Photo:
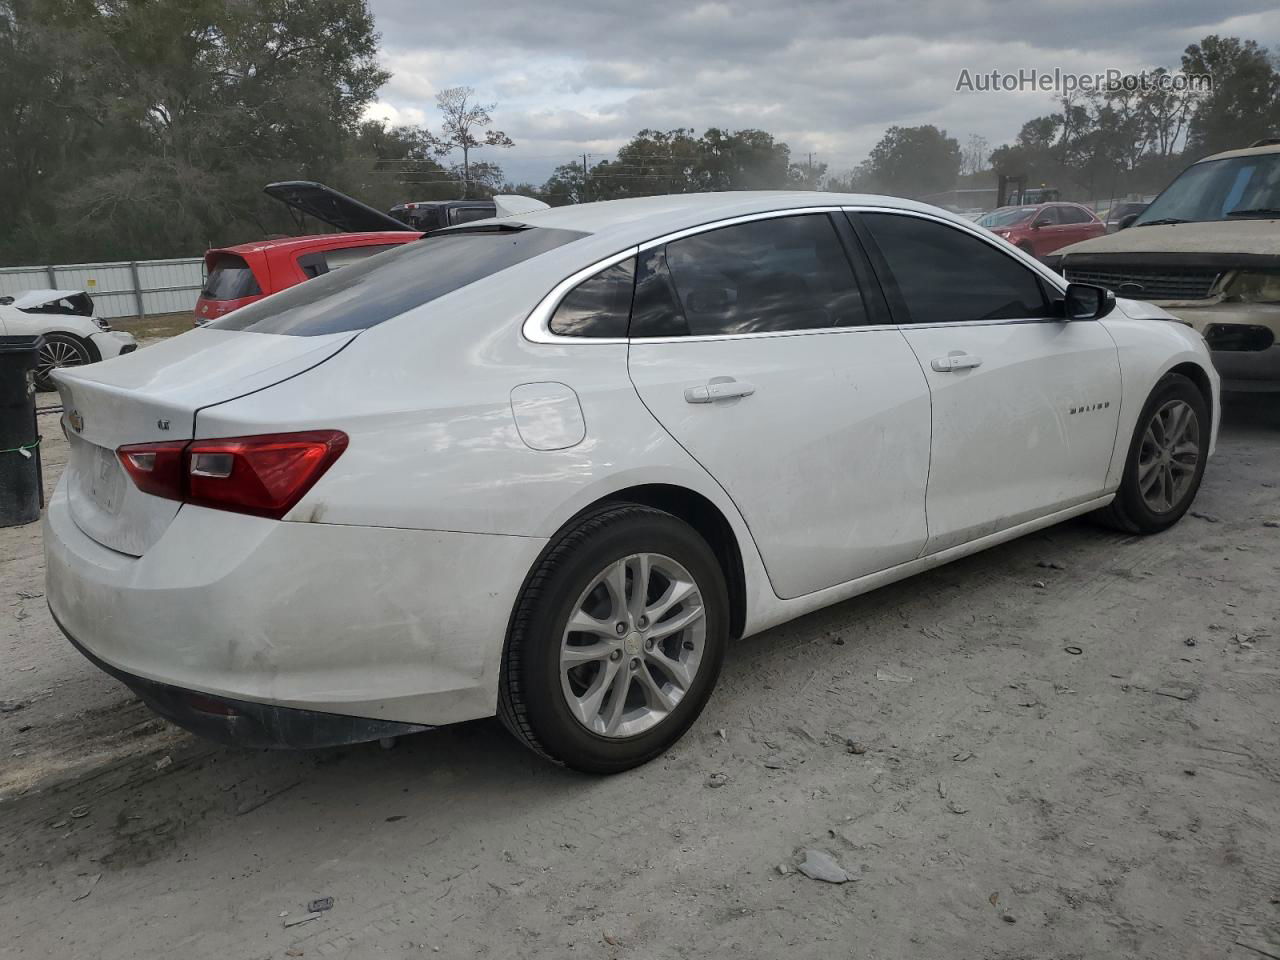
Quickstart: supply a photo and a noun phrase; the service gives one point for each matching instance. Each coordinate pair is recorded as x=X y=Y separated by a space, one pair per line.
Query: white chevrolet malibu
x=550 y=467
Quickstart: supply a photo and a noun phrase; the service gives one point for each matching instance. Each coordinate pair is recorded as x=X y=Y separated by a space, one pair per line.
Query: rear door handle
x=718 y=388
x=958 y=361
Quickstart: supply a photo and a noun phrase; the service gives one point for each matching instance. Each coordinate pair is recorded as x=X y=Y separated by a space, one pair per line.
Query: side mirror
x=1084 y=301
x=1127 y=221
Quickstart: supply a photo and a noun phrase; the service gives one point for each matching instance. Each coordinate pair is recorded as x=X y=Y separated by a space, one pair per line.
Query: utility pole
x=584 y=177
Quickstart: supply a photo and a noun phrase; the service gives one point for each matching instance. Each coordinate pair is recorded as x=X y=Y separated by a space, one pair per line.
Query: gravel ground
x=1068 y=746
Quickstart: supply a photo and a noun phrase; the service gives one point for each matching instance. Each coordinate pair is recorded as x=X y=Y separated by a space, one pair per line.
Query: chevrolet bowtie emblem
x=76 y=421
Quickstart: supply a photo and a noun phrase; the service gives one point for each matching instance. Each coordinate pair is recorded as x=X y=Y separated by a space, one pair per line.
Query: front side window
x=944 y=275
x=599 y=306
x=1073 y=215
x=1048 y=217
x=764 y=276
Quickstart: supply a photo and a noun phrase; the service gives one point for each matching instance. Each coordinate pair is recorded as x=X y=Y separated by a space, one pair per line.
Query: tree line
x=138 y=129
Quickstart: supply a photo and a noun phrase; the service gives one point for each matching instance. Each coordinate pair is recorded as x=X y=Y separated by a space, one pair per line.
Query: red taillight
x=156 y=468
x=264 y=475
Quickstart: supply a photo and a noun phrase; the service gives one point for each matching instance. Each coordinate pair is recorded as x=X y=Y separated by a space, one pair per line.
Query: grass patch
x=159 y=326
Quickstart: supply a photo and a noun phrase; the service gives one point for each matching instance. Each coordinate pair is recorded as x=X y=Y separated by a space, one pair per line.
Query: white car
x=73 y=336
x=549 y=468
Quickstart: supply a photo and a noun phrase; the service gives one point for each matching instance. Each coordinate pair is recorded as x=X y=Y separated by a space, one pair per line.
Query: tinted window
x=1073 y=215
x=379 y=288
x=786 y=273
x=1048 y=217
x=945 y=275
x=467 y=214
x=599 y=306
x=230 y=279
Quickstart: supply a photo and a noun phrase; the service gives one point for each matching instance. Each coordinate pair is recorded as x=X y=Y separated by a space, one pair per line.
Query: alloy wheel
x=633 y=645
x=55 y=354
x=1168 y=456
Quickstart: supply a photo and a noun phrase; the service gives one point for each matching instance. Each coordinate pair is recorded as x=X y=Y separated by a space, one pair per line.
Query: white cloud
x=824 y=76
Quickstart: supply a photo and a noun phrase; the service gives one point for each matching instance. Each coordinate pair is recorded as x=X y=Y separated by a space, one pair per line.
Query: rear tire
x=60 y=350
x=625 y=686
x=1166 y=459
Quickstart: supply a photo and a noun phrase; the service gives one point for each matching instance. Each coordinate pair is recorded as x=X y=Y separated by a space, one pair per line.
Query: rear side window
x=467 y=214
x=944 y=275
x=599 y=306
x=773 y=275
x=379 y=288
x=230 y=279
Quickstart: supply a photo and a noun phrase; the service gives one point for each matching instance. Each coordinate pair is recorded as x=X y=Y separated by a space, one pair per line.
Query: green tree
x=914 y=161
x=1244 y=104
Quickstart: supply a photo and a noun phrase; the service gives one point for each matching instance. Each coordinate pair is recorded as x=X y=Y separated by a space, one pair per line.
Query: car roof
x=317 y=240
x=638 y=219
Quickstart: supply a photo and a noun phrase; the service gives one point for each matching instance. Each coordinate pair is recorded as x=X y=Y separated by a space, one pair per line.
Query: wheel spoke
x=691 y=614
x=587 y=706
x=583 y=622
x=615 y=579
x=674 y=669
x=1146 y=471
x=676 y=592
x=656 y=697
x=617 y=700
x=573 y=655
x=641 y=569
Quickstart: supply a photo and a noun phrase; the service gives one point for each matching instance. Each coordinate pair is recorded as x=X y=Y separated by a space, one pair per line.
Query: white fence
x=124 y=289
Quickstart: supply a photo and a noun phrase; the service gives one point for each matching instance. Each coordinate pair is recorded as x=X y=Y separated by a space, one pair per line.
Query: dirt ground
x=1072 y=750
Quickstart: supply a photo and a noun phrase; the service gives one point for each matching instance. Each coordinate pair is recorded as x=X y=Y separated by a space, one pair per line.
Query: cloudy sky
x=584 y=75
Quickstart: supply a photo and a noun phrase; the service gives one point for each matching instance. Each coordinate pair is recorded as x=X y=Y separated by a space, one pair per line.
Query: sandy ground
x=1067 y=761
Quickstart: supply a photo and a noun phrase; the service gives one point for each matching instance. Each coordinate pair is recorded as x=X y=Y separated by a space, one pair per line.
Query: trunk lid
x=153 y=395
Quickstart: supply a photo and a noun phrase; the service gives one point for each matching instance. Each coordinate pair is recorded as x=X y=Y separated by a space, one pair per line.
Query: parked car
x=239 y=275
x=606 y=440
x=1121 y=215
x=72 y=334
x=425 y=215
x=1208 y=250
x=242 y=274
x=1040 y=229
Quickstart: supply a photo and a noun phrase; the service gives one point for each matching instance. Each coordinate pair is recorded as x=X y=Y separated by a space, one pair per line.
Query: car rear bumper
x=379 y=624
x=243 y=723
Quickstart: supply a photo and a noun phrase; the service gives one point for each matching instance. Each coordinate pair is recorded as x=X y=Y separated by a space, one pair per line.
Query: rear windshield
x=379 y=288
x=230 y=279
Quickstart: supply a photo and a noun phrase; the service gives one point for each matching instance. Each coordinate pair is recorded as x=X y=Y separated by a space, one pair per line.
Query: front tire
x=1166 y=459
x=59 y=350
x=616 y=642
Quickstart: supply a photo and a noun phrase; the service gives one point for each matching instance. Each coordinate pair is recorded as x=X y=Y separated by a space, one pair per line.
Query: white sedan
x=72 y=334
x=549 y=467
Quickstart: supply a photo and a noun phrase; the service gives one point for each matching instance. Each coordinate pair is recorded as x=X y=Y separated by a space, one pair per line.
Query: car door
x=1025 y=404
x=756 y=346
x=1046 y=231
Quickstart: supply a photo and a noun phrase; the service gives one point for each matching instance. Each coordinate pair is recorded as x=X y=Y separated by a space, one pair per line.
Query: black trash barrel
x=21 y=489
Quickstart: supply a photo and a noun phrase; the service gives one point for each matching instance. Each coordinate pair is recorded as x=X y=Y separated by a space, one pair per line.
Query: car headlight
x=1253 y=287
x=102 y=323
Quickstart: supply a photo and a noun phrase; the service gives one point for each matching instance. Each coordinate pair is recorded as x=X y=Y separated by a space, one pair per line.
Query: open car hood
x=329 y=206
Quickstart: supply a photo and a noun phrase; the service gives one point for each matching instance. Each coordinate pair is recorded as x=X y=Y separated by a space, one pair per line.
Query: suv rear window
x=379 y=288
x=230 y=279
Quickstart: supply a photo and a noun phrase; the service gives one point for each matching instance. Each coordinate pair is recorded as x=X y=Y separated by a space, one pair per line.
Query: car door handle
x=718 y=388
x=958 y=361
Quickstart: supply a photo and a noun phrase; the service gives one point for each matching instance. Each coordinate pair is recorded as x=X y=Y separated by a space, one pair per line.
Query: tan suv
x=1208 y=250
